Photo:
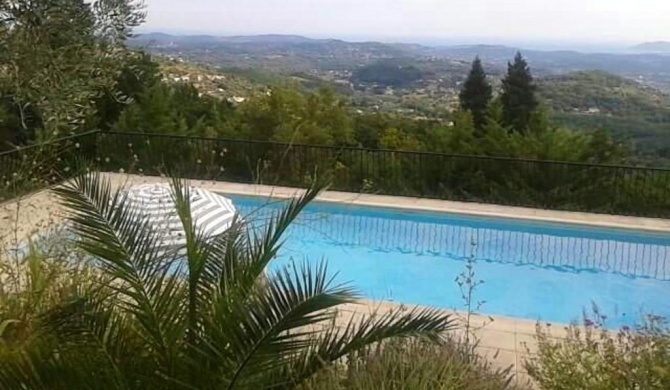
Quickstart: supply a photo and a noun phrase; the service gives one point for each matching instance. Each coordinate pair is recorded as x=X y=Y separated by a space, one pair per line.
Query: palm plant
x=210 y=317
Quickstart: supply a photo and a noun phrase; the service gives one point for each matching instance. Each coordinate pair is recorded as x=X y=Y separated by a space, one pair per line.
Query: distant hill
x=490 y=52
x=610 y=93
x=652 y=47
x=282 y=53
x=167 y=39
x=624 y=93
x=269 y=38
x=252 y=43
x=653 y=68
x=591 y=100
x=292 y=53
x=161 y=38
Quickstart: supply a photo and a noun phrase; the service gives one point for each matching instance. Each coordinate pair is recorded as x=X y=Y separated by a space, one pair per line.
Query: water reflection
x=565 y=249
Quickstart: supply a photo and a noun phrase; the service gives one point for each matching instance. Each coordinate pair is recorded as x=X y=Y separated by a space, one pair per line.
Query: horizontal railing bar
x=400 y=152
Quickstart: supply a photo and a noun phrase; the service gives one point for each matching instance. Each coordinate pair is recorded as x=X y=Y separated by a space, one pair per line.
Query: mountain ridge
x=653 y=47
x=260 y=38
x=296 y=38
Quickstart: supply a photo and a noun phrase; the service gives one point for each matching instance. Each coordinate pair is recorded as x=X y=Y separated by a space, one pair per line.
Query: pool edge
x=354 y=199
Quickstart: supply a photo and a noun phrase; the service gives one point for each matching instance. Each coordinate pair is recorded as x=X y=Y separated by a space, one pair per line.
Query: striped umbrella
x=212 y=213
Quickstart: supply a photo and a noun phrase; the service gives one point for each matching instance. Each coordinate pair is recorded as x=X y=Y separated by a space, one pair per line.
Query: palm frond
x=127 y=250
x=335 y=342
x=230 y=257
x=91 y=327
x=262 y=247
x=246 y=337
x=201 y=285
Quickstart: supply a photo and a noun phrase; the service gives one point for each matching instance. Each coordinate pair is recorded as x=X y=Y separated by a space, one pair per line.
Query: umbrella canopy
x=212 y=213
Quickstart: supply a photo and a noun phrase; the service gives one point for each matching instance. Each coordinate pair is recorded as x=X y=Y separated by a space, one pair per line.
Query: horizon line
x=528 y=44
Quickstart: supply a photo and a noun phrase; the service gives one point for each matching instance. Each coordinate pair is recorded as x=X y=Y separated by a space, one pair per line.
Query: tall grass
x=416 y=365
x=36 y=276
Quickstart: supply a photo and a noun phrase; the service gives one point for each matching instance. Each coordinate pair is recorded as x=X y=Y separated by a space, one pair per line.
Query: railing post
x=616 y=194
x=94 y=148
x=363 y=174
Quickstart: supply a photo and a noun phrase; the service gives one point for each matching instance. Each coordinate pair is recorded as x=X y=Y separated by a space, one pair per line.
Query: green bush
x=416 y=365
x=593 y=358
x=34 y=281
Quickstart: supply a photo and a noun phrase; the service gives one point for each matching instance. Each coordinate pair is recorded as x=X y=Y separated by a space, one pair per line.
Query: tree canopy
x=518 y=95
x=58 y=57
x=476 y=94
x=388 y=74
x=288 y=115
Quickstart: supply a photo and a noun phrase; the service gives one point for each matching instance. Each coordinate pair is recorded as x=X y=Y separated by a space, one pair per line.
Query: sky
x=469 y=21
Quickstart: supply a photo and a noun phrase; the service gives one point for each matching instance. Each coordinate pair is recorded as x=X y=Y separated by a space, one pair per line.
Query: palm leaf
x=276 y=321
x=263 y=247
x=89 y=326
x=335 y=343
x=127 y=250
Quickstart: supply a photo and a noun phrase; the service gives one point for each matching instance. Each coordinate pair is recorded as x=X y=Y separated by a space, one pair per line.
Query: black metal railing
x=519 y=182
x=507 y=181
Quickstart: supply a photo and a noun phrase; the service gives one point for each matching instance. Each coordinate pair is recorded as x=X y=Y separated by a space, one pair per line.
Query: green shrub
x=416 y=365
x=593 y=358
x=34 y=280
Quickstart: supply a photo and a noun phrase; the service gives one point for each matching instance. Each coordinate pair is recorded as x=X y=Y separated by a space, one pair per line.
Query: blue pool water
x=530 y=270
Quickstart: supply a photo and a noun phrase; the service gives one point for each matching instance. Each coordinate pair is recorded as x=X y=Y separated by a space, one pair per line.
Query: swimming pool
x=530 y=270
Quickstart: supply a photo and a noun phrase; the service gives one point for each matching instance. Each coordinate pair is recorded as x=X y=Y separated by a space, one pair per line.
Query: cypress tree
x=518 y=95
x=476 y=94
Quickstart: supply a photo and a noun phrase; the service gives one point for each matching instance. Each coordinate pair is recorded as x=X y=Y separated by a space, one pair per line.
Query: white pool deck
x=506 y=339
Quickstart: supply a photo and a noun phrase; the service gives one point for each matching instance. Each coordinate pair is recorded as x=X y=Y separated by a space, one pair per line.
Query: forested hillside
x=156 y=104
x=296 y=53
x=287 y=113
x=388 y=74
x=422 y=82
x=583 y=101
x=212 y=81
x=629 y=110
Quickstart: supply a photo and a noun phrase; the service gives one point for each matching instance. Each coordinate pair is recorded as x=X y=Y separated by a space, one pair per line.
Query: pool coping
x=543 y=222
x=454 y=208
